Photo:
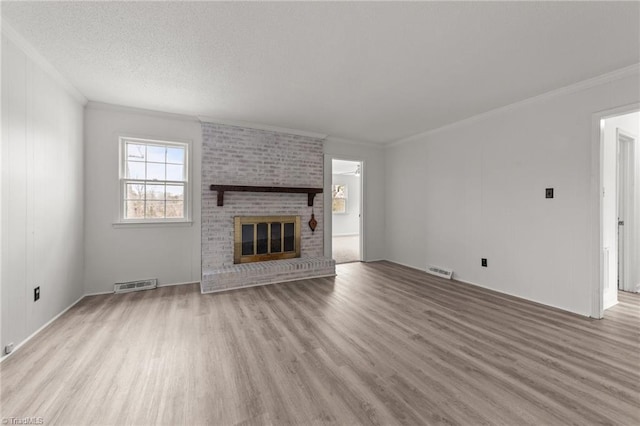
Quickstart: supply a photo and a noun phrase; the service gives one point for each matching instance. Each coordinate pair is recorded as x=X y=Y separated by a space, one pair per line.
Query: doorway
x=626 y=146
x=346 y=210
x=620 y=209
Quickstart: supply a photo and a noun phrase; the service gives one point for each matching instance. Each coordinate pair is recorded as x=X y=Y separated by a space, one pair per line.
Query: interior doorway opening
x=346 y=210
x=620 y=206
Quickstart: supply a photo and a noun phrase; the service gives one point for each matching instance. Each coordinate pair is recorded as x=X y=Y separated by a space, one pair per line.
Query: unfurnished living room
x=304 y=213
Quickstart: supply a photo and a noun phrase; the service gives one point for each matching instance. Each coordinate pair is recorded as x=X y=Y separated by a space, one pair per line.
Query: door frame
x=328 y=219
x=596 y=285
x=621 y=135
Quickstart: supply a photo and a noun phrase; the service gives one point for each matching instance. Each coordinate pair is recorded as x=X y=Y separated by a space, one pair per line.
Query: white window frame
x=123 y=180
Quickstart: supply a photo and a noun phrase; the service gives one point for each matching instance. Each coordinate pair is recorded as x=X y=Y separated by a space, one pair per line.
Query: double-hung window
x=154 y=181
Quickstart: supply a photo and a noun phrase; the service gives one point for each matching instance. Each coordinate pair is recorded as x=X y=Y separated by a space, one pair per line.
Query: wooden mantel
x=221 y=189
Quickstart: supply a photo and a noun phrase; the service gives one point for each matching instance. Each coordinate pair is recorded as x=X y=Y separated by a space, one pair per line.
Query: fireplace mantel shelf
x=311 y=192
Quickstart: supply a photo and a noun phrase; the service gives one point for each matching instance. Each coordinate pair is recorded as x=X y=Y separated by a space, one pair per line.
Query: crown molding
x=10 y=33
x=259 y=126
x=339 y=140
x=102 y=106
x=632 y=70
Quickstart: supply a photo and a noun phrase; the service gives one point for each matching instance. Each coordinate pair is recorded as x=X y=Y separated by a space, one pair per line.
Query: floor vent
x=441 y=272
x=136 y=285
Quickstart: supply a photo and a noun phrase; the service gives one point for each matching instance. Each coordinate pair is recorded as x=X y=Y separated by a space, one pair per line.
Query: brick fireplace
x=241 y=156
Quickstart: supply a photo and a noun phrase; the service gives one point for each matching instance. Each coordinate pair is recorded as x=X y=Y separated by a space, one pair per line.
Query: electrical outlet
x=8 y=349
x=484 y=262
x=36 y=294
x=548 y=193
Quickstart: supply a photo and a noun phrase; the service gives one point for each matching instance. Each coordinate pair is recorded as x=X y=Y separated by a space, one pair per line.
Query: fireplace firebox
x=262 y=238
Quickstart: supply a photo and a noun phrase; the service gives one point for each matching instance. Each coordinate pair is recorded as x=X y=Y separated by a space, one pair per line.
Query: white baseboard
x=71 y=306
x=606 y=304
x=408 y=266
x=174 y=284
x=40 y=329
x=458 y=279
x=522 y=298
x=100 y=293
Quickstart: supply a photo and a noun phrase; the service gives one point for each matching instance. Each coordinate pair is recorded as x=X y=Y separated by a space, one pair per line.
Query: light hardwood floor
x=378 y=344
x=345 y=249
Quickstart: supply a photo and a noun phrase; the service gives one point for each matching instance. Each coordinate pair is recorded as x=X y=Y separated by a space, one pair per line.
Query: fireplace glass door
x=260 y=238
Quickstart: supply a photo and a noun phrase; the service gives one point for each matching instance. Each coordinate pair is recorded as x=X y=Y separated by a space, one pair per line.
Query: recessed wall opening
x=346 y=210
x=620 y=226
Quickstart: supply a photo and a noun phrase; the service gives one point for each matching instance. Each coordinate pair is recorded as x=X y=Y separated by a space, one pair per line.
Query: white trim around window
x=154 y=182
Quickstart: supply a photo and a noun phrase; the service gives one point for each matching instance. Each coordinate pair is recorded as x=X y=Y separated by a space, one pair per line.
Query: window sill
x=181 y=224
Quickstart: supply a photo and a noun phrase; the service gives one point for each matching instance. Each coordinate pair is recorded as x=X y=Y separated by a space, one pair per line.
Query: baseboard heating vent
x=136 y=285
x=440 y=272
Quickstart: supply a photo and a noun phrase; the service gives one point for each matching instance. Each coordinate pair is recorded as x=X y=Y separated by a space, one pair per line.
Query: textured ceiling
x=373 y=72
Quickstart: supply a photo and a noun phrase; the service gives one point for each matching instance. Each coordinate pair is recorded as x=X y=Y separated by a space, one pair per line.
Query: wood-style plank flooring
x=378 y=344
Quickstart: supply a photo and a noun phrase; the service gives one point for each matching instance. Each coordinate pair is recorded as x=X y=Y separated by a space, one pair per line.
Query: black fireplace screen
x=260 y=238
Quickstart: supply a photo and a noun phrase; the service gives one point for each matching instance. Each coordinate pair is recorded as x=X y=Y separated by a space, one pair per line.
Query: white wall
x=476 y=189
x=42 y=194
x=170 y=253
x=348 y=223
x=373 y=211
x=631 y=124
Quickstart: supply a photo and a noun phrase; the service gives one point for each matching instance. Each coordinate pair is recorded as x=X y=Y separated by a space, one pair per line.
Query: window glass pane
x=135 y=191
x=175 y=172
x=155 y=210
x=175 y=209
x=175 y=192
x=155 y=192
x=155 y=163
x=134 y=209
x=136 y=152
x=156 y=154
x=155 y=171
x=262 y=238
x=135 y=170
x=247 y=240
x=175 y=155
